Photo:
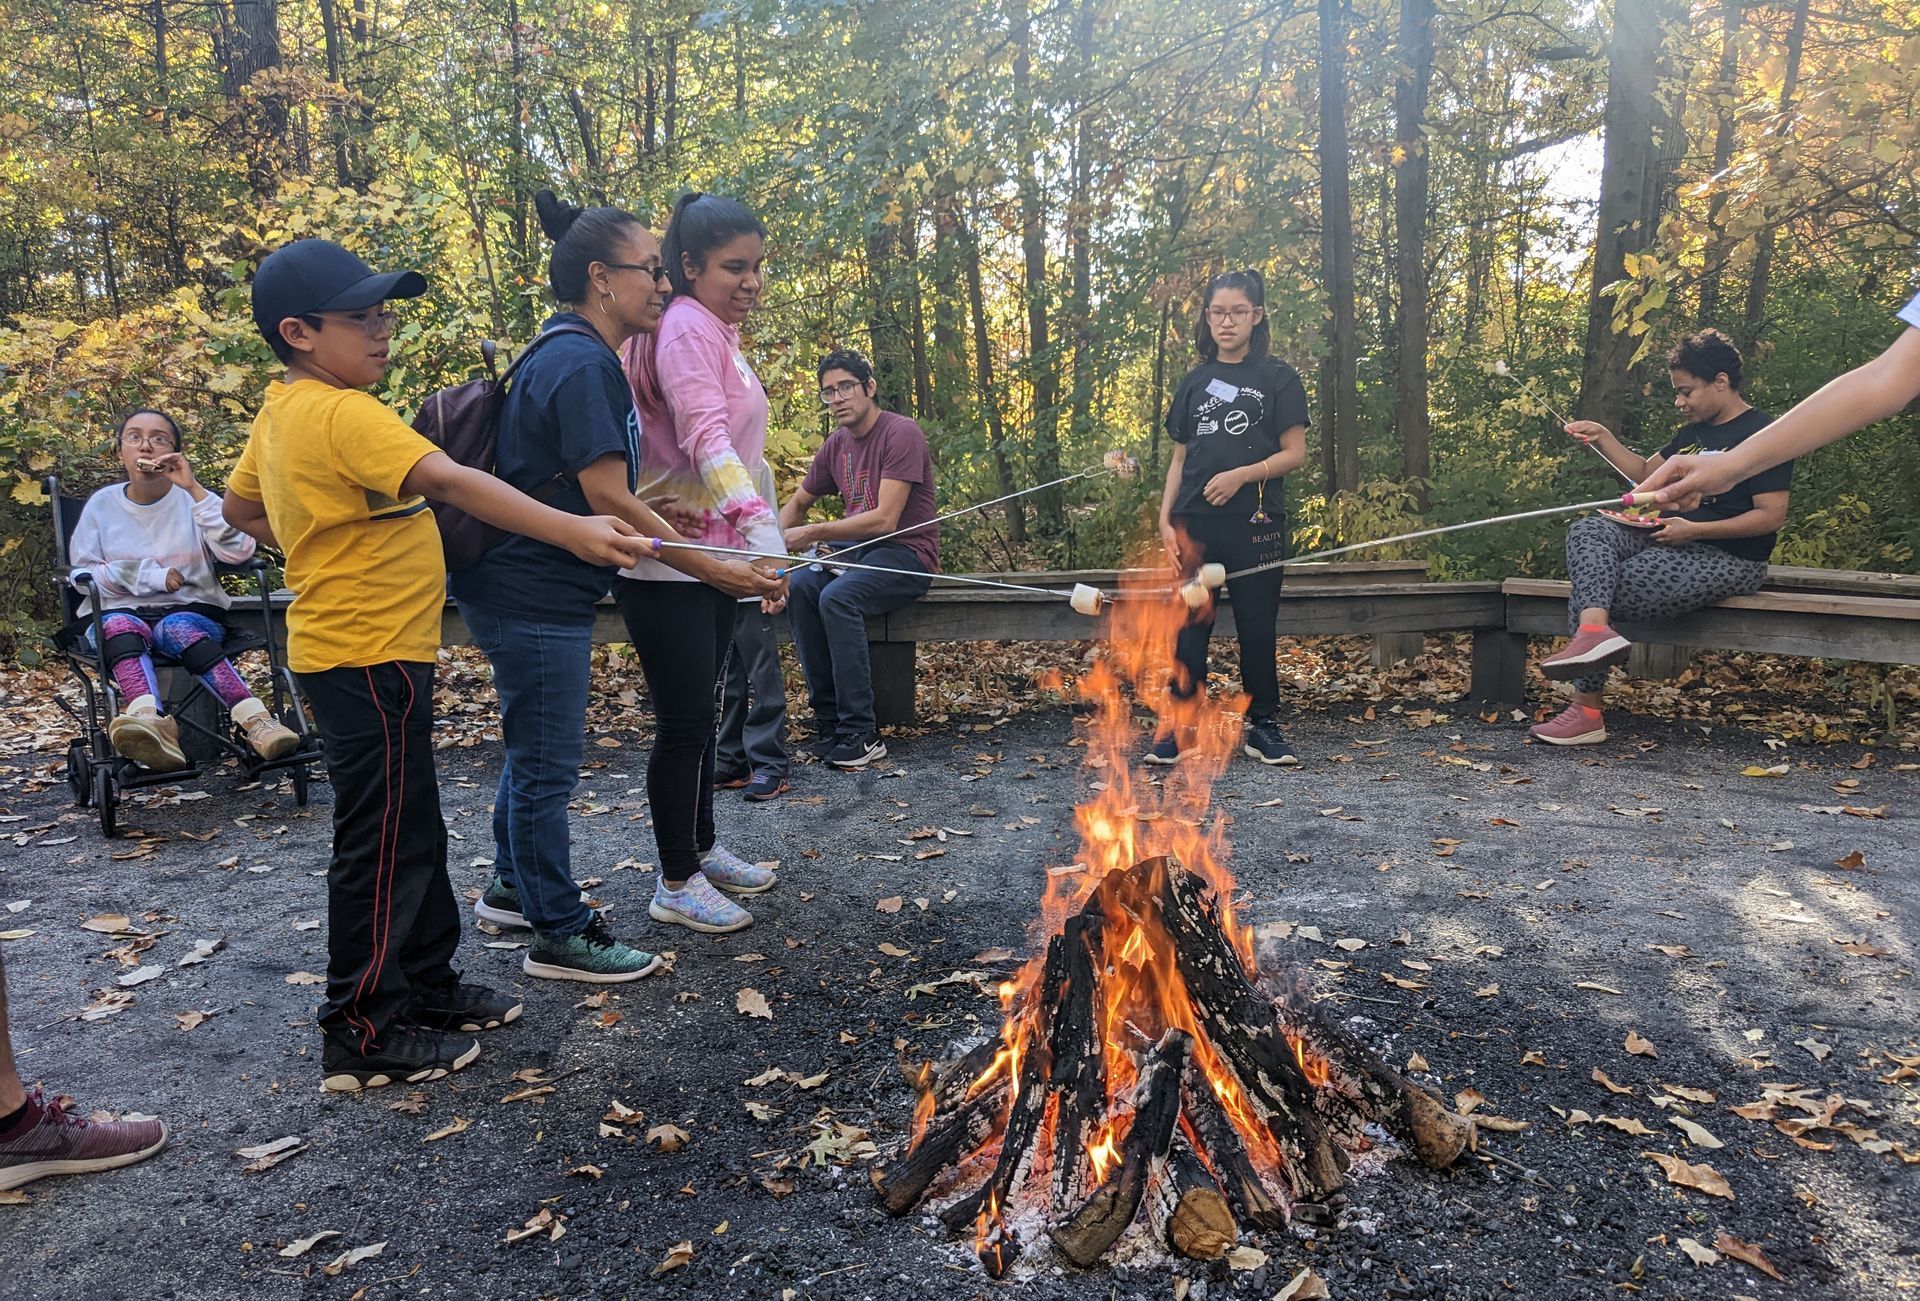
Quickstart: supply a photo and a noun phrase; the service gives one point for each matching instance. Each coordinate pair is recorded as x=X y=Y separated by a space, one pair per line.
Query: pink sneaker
x=1574 y=725
x=1590 y=650
x=50 y=1141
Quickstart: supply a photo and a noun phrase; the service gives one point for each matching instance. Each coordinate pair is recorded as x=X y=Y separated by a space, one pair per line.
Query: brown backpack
x=463 y=420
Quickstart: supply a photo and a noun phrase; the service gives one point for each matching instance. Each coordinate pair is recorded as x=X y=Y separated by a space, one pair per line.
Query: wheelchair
x=96 y=775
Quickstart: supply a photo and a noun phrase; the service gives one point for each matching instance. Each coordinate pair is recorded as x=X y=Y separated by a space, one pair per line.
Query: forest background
x=1011 y=206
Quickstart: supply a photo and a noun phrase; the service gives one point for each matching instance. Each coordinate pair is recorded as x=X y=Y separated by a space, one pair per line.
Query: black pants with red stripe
x=392 y=921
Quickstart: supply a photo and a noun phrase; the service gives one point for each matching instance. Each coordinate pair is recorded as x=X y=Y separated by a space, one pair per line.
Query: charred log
x=1188 y=1210
x=1086 y=1234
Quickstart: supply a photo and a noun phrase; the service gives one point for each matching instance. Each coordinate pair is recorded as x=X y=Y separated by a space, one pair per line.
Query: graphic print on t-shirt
x=1237 y=419
x=859 y=490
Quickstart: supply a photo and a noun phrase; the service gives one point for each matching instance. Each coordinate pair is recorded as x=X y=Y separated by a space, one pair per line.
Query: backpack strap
x=559 y=483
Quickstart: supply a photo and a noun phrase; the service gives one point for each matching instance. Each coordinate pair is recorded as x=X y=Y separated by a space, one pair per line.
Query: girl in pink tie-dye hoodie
x=703 y=436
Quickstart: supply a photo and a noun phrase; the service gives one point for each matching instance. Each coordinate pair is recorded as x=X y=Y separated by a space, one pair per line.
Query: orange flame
x=1104 y=1152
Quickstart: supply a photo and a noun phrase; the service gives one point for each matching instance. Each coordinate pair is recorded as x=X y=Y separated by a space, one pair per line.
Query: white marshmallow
x=1194 y=593
x=1212 y=576
x=1085 y=599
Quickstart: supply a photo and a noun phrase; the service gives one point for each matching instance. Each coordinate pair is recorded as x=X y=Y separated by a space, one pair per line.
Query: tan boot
x=143 y=734
x=269 y=737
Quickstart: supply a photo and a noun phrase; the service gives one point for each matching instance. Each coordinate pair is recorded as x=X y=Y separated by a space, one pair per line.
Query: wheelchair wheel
x=300 y=786
x=79 y=773
x=106 y=799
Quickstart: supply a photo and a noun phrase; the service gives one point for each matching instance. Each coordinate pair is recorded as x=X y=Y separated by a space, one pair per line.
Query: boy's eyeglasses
x=659 y=273
x=845 y=388
x=373 y=324
x=1236 y=315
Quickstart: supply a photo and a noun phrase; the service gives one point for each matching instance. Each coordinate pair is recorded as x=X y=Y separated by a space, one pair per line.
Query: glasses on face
x=140 y=438
x=1235 y=315
x=373 y=323
x=832 y=393
x=659 y=273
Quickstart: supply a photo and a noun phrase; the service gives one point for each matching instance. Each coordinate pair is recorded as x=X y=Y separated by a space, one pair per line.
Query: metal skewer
x=1501 y=369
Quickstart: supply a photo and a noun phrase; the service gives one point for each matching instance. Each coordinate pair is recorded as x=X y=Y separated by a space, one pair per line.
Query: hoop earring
x=606 y=296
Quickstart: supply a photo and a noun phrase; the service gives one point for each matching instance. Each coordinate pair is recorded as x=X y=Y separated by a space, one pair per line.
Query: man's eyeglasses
x=659 y=273
x=844 y=389
x=374 y=324
x=1237 y=315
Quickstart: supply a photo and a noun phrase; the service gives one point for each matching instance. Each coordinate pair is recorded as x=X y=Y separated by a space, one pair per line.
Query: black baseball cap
x=317 y=275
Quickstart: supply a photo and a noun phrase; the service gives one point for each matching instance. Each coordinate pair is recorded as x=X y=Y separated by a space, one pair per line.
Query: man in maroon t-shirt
x=878 y=464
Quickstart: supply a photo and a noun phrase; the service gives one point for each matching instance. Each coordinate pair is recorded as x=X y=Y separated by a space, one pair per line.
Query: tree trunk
x=1041 y=361
x=670 y=112
x=915 y=312
x=1339 y=388
x=886 y=332
x=1628 y=173
x=1156 y=416
x=1754 y=320
x=1080 y=232
x=1413 y=78
x=333 y=40
x=989 y=400
x=949 y=343
x=1725 y=99
x=519 y=228
x=252 y=44
x=589 y=145
x=161 y=23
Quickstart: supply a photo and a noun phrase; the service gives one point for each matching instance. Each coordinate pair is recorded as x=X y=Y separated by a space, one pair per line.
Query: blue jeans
x=829 y=615
x=540 y=674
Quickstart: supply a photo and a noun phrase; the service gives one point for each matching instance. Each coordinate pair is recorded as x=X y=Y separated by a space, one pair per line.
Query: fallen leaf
x=667 y=1138
x=1532 y=1058
x=108 y=924
x=751 y=1002
x=1815 y=1047
x=994 y=955
x=1417 y=1063
x=1625 y=1124
x=1701 y=1178
x=1597 y=988
x=679 y=1254
x=1466 y=1100
x=141 y=975
x=333 y=1267
x=1350 y=945
x=458 y=1125
x=1487 y=991
x=894 y=951
x=1500 y=1124
x=295 y=1250
x=15 y=935
x=1852 y=861
x=772 y=1075
x=1640 y=1047
x=545 y=1224
x=1746 y=1253
x=265 y=1156
x=1245 y=1258
x=1698 y=1254
x=1305 y=1286
x=1755 y=770
x=201 y=951
x=1600 y=1078
x=306 y=978
x=191 y=1020
x=891 y=904
x=1696 y=1134
x=1691 y=1095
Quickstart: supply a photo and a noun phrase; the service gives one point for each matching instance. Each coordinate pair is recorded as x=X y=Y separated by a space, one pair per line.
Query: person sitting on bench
x=151 y=544
x=879 y=466
x=1656 y=569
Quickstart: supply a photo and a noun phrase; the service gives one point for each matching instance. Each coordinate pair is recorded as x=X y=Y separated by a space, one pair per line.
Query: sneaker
x=697 y=906
x=50 y=1141
x=731 y=779
x=145 y=735
x=734 y=874
x=1591 y=650
x=593 y=956
x=406 y=1054
x=1574 y=725
x=499 y=903
x=1264 y=742
x=817 y=746
x=857 y=751
x=1164 y=752
x=766 y=786
x=463 y=1007
x=269 y=737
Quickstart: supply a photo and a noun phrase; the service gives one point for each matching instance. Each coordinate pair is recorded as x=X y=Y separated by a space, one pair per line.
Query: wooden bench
x=1818 y=614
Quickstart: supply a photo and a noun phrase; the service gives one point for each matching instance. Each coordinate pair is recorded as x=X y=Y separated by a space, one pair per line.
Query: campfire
x=1143 y=1072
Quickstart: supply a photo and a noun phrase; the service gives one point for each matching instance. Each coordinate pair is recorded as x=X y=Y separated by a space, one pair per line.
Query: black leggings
x=680 y=631
x=1236 y=543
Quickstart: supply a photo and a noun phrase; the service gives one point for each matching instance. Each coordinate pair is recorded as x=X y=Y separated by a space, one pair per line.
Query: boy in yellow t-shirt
x=340 y=484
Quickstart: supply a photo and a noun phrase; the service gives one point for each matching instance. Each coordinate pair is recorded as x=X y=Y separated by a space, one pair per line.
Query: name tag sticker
x=1219 y=388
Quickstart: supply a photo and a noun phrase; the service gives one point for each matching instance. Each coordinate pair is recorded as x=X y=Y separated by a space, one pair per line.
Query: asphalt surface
x=1551 y=875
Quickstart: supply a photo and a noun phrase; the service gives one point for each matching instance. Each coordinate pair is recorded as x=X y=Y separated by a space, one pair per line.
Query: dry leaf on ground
x=679 y=1254
x=353 y=1257
x=1696 y=1133
x=1745 y=1251
x=1698 y=1254
x=1305 y=1286
x=458 y=1125
x=1702 y=1178
x=1600 y=1078
x=1640 y=1047
x=751 y=1002
x=667 y=1138
x=299 y=1248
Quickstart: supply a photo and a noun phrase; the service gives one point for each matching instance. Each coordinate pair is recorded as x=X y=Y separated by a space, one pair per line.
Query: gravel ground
x=1569 y=868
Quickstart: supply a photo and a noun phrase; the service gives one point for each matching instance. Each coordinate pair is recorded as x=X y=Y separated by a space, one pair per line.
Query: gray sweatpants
x=1623 y=571
x=753 y=706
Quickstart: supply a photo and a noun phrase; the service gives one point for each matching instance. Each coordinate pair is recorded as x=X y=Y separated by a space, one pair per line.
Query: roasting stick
x=801 y=562
x=1501 y=369
x=1604 y=503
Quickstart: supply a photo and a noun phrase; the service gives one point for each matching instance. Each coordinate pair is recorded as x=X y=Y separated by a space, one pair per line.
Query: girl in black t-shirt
x=1238 y=423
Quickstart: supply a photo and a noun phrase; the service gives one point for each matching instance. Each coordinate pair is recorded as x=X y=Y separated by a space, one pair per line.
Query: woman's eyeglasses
x=1235 y=315
x=659 y=273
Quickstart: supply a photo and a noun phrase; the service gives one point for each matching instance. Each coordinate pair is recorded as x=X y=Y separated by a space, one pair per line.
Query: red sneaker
x=50 y=1141
x=1574 y=725
x=1590 y=650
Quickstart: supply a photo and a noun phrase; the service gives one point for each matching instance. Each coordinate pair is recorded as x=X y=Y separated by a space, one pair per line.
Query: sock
x=1588 y=710
x=19 y=1120
x=1594 y=627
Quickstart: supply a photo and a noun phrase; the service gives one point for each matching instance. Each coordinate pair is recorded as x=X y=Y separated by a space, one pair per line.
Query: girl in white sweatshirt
x=151 y=544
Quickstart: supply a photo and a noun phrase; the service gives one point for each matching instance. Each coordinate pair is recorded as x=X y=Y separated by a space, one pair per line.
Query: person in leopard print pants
x=1656 y=572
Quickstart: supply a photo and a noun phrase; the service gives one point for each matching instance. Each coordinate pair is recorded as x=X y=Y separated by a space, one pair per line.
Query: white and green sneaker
x=734 y=874
x=499 y=903
x=593 y=956
x=697 y=906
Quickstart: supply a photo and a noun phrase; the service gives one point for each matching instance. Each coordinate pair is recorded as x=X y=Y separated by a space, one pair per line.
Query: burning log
x=905 y=1182
x=1246 y=1191
x=1090 y=1230
x=1410 y=1113
x=1079 y=1078
x=1189 y=1212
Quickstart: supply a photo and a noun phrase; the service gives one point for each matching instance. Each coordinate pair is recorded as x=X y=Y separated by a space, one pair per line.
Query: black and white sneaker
x=857 y=751
x=406 y=1054
x=1164 y=752
x=464 y=1007
x=1264 y=742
